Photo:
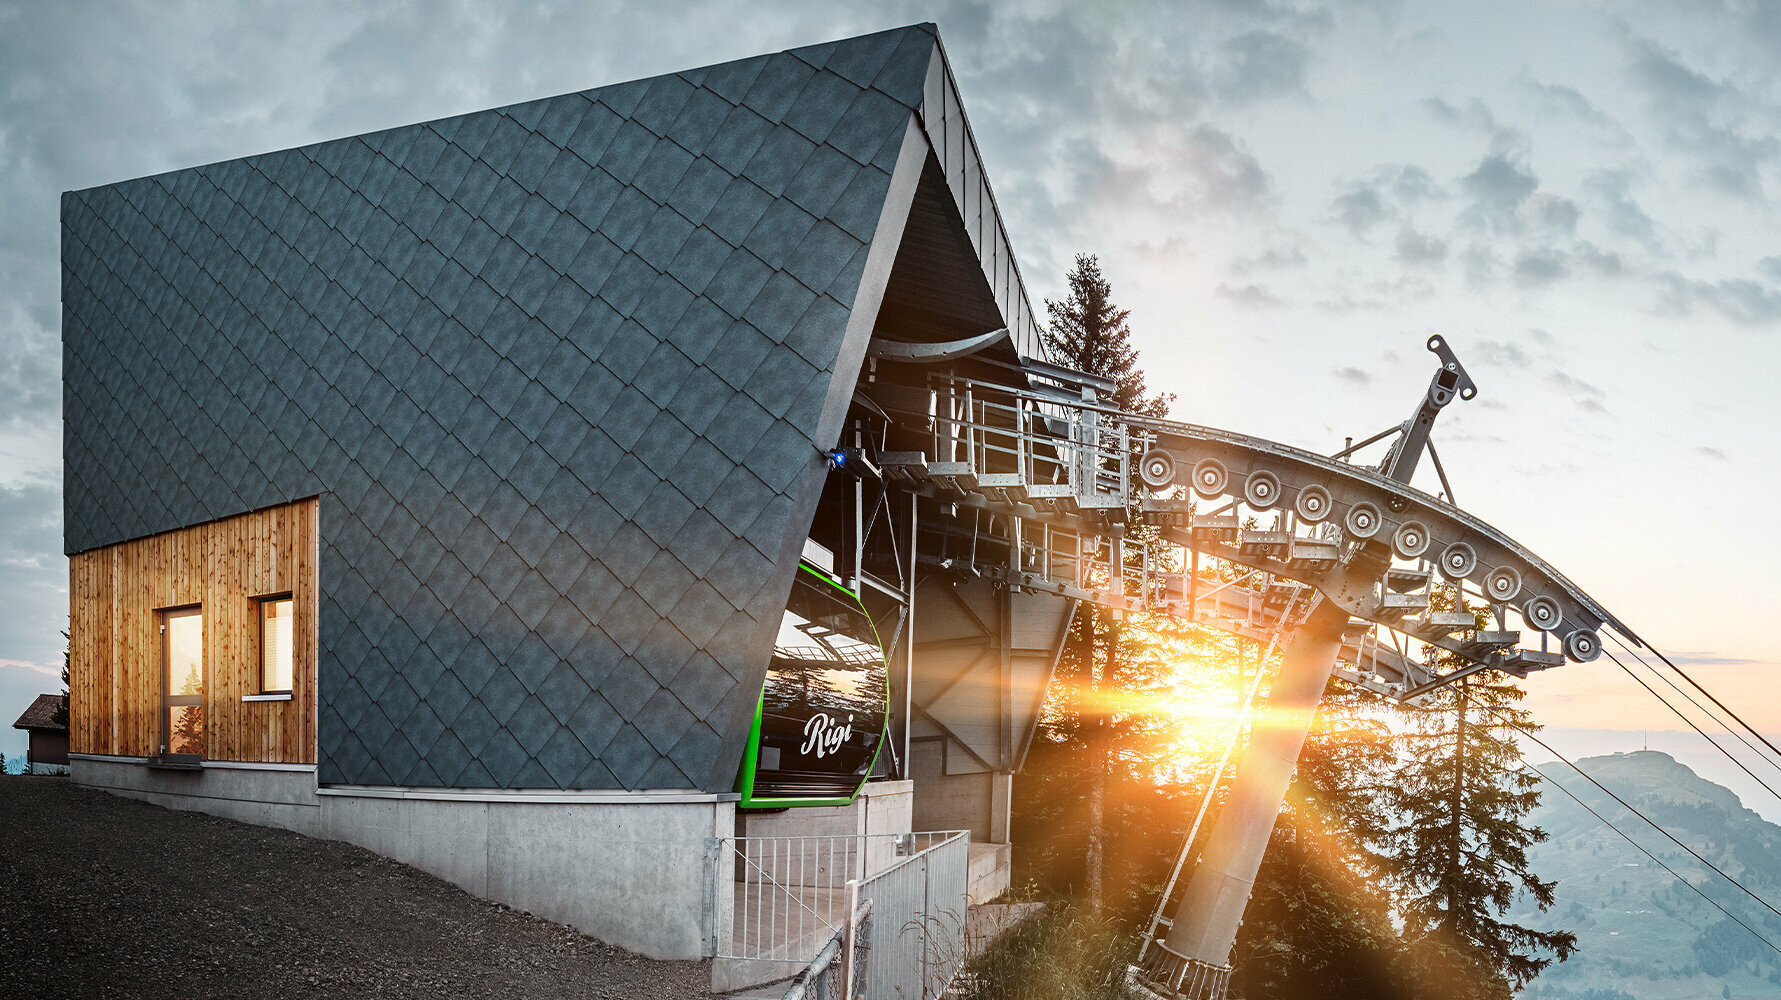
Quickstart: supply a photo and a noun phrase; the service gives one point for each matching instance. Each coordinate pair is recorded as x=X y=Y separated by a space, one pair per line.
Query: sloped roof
x=559 y=372
x=41 y=714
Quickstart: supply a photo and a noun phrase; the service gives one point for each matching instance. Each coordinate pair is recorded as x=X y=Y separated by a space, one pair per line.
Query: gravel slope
x=102 y=896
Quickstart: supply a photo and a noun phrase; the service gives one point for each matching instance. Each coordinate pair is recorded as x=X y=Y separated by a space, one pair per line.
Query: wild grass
x=1062 y=954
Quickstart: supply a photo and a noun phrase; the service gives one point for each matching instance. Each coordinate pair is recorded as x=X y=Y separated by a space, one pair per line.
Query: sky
x=1289 y=197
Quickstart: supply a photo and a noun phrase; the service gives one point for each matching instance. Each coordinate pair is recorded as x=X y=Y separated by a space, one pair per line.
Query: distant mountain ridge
x=1643 y=935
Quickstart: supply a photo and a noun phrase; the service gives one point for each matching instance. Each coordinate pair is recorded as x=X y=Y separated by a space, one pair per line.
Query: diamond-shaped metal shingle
x=553 y=370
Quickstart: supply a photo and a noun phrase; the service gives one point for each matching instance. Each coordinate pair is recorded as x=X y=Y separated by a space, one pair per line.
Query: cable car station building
x=585 y=499
x=451 y=490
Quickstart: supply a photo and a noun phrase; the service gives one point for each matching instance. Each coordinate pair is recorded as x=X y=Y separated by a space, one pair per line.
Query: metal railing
x=781 y=898
x=913 y=937
x=833 y=974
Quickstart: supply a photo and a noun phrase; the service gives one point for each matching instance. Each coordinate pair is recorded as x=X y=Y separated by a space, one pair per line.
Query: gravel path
x=102 y=896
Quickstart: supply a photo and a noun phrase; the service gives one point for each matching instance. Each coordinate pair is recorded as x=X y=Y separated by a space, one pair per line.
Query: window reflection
x=185 y=681
x=276 y=652
x=823 y=706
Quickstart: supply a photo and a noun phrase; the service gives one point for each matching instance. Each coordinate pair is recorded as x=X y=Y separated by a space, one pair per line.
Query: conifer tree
x=60 y=717
x=1459 y=852
x=1319 y=922
x=1089 y=333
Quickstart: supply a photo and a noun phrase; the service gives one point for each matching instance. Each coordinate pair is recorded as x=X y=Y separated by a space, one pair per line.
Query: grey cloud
x=1501 y=353
x=1226 y=175
x=1388 y=192
x=1535 y=268
x=1572 y=383
x=1744 y=301
x=1610 y=191
x=1353 y=376
x=1414 y=184
x=1701 y=658
x=1770 y=268
x=1359 y=209
x=1379 y=295
x=30 y=369
x=1671 y=85
x=1556 y=214
x=1602 y=263
x=1274 y=258
x=1476 y=115
x=1250 y=296
x=1204 y=171
x=1498 y=186
x=1584 y=394
x=1706 y=120
x=33 y=575
x=1560 y=99
x=1420 y=250
x=1711 y=452
x=1479 y=264
x=1262 y=64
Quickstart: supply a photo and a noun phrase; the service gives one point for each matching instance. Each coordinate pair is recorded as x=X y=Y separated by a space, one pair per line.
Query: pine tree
x=1107 y=741
x=1319 y=923
x=60 y=717
x=1089 y=333
x=188 y=732
x=1460 y=851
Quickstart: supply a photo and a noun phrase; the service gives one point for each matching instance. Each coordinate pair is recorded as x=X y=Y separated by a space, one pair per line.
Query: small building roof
x=42 y=713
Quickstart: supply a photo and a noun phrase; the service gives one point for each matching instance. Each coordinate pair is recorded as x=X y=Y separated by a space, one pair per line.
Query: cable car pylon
x=1322 y=555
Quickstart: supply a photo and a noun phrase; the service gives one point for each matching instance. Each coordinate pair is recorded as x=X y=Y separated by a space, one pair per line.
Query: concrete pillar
x=1205 y=924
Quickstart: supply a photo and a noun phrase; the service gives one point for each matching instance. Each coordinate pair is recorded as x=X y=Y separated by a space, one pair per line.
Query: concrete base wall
x=979 y=802
x=281 y=795
x=632 y=869
x=882 y=807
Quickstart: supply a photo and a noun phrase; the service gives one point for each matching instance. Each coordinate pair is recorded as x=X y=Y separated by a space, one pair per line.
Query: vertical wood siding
x=115 y=593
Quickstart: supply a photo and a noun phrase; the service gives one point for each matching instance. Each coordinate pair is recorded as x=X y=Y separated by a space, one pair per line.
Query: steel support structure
x=1039 y=480
x=1205 y=924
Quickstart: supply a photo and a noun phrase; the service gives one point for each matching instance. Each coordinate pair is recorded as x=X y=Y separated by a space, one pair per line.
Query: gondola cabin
x=821 y=717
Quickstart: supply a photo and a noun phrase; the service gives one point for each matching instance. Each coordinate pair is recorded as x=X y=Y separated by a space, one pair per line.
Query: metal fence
x=912 y=942
x=782 y=898
x=832 y=975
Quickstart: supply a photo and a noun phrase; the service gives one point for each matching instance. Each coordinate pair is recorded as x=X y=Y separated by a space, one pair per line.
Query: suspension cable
x=1641 y=849
x=1722 y=707
x=1690 y=723
x=1630 y=808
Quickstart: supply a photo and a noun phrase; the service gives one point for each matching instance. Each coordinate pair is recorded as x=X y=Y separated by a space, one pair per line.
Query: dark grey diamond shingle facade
x=559 y=373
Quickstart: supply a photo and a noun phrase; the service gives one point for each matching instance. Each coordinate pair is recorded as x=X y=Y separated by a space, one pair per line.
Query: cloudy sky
x=1289 y=197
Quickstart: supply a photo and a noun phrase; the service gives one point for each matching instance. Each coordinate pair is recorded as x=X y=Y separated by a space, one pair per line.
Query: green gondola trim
x=752 y=753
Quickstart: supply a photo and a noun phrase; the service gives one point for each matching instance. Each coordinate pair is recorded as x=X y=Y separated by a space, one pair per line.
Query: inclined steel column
x=1205 y=924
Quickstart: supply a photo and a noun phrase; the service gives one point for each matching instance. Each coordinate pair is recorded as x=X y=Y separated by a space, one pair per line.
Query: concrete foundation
x=948 y=799
x=882 y=807
x=633 y=868
x=980 y=802
x=281 y=795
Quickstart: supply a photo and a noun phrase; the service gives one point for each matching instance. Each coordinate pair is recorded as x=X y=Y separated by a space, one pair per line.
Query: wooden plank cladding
x=116 y=595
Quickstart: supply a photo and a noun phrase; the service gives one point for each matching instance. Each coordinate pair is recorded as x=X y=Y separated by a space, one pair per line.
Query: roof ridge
x=925 y=27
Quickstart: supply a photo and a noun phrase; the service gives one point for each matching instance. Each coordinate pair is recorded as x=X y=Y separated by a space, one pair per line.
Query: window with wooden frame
x=277 y=644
